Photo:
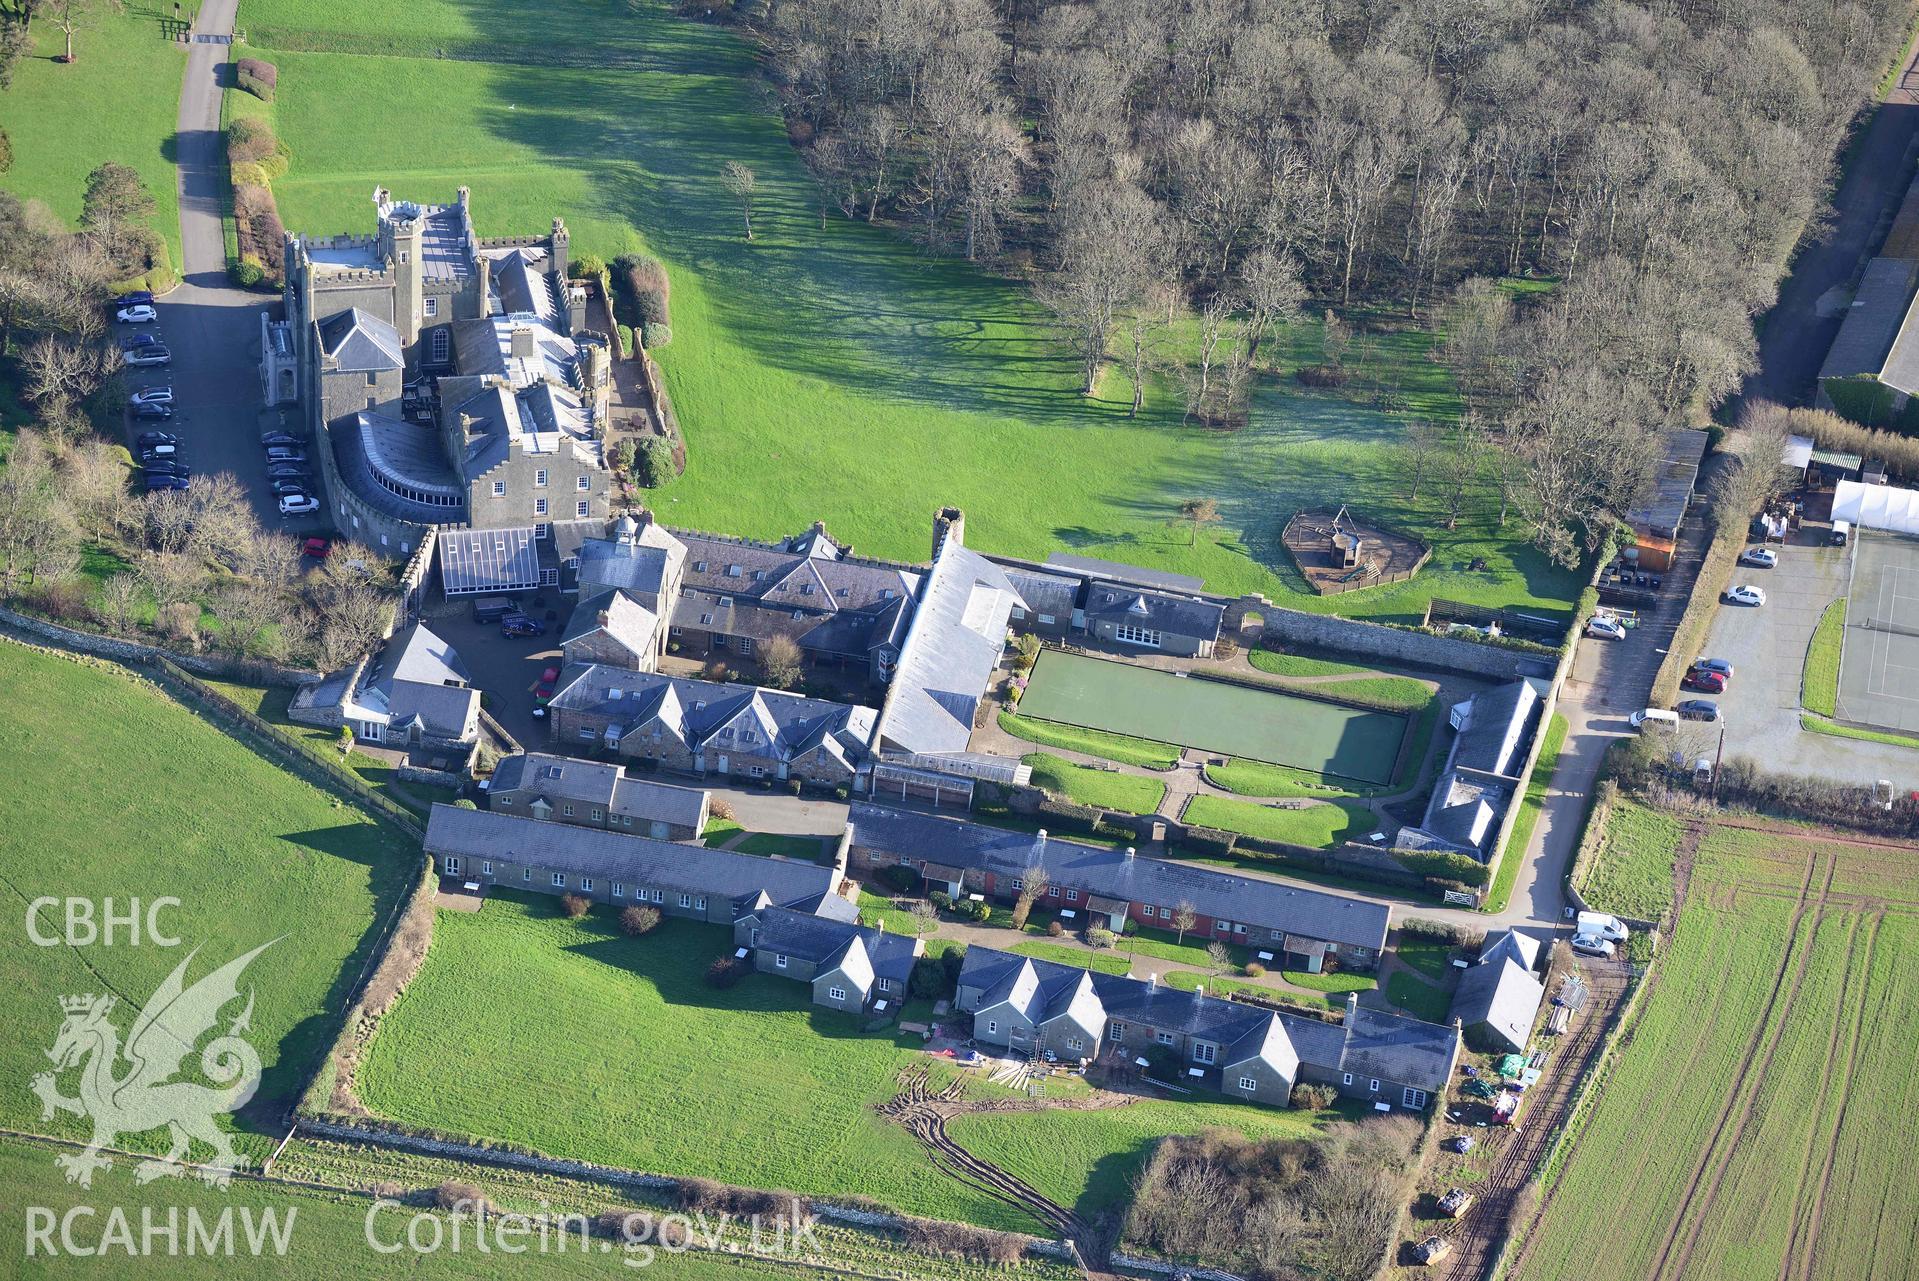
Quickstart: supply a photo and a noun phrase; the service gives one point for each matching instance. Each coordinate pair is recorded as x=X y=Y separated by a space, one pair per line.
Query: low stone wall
x=250 y=671
x=1389 y=644
x=431 y=777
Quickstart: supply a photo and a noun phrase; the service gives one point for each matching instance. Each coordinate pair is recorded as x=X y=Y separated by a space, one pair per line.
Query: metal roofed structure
x=1873 y=322
x=952 y=646
x=473 y=561
x=1093 y=567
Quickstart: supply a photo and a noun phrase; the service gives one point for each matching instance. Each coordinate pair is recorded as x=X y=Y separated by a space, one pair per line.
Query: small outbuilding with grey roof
x=852 y=968
x=566 y=789
x=1499 y=996
x=1144 y=618
x=615 y=629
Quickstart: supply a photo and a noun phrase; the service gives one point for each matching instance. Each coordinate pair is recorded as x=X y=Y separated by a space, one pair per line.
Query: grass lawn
x=1513 y=855
x=1632 y=870
x=1320 y=826
x=1773 y=1052
x=1187 y=980
x=1124 y=793
x=1078 y=957
x=1819 y=689
x=1114 y=747
x=767 y=844
x=325 y=1232
x=1418 y=998
x=1429 y=957
x=123 y=793
x=719 y=831
x=1238 y=720
x=118 y=101
x=270 y=704
x=1275 y=664
x=903 y=381
x=1088 y=1159
x=1820 y=725
x=1334 y=983
x=878 y=908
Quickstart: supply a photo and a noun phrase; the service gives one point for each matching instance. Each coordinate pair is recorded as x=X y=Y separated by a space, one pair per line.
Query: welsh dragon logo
x=143 y=1097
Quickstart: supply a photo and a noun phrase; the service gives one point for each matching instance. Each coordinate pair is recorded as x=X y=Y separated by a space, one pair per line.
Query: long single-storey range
x=566 y=789
x=611 y=867
x=1110 y=886
x=1499 y=997
x=852 y=968
x=1039 y=1007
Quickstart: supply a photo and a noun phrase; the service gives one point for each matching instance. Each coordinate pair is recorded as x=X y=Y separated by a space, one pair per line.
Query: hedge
x=656 y=335
x=257 y=77
x=655 y=461
x=1444 y=865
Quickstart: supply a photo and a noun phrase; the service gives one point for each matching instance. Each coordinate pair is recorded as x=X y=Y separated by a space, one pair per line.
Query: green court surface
x=1261 y=725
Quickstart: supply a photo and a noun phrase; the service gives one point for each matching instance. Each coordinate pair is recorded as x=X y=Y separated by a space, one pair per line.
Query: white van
x=1655 y=718
x=1841 y=531
x=1601 y=925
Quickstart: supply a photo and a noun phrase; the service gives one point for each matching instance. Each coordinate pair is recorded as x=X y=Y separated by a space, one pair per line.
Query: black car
x=288 y=488
x=279 y=438
x=148 y=439
x=153 y=411
x=166 y=482
x=521 y=625
x=288 y=471
x=133 y=299
x=1697 y=709
x=165 y=467
x=134 y=341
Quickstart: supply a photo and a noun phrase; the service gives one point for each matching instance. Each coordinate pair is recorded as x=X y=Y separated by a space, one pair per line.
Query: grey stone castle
x=446 y=379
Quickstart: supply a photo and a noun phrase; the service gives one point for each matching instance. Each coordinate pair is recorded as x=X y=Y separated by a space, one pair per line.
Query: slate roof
x=1144 y=607
x=1503 y=997
x=1493 y=739
x=597 y=783
x=642 y=558
x=362 y=342
x=1874 y=320
x=446 y=235
x=520 y=282
x=590 y=851
x=1052 y=594
x=823 y=940
x=954 y=643
x=1516 y=944
x=1270 y=905
x=419 y=678
x=1469 y=796
x=627 y=621
x=418 y=654
x=700 y=712
x=1093 y=567
x=1393 y=1047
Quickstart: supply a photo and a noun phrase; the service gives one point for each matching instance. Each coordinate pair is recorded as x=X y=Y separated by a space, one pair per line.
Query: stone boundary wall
x=1374 y=640
x=247 y=670
x=431 y=777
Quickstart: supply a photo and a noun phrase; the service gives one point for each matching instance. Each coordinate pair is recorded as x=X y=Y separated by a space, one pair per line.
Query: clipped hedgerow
x=257 y=77
x=654 y=336
x=656 y=463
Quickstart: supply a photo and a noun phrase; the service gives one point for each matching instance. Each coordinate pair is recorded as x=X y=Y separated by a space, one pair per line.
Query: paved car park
x=1766 y=645
x=507 y=668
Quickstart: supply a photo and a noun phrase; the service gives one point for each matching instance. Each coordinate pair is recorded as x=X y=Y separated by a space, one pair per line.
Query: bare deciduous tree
x=119 y=603
x=779 y=657
x=740 y=180
x=1185 y=917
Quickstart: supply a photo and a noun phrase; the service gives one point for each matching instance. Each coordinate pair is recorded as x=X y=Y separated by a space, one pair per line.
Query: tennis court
x=1212 y=716
x=1879 y=661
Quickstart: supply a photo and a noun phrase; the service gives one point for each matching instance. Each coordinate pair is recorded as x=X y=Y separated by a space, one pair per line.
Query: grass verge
x=1142 y=752
x=1084 y=785
x=1820 y=725
x=1513 y=855
x=1318 y=826
x=1819 y=687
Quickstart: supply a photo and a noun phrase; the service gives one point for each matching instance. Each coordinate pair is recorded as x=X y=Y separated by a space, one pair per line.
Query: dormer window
x=806 y=589
x=886 y=593
x=726 y=602
x=732 y=571
x=799 y=613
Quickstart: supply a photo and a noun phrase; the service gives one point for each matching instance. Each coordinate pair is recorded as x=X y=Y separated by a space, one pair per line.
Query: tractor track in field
x=1810 y=1227
x=1744 y=1095
x=923 y=1113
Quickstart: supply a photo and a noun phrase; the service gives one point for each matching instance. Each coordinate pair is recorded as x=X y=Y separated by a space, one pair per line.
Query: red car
x=316 y=548
x=548 y=679
x=1706 y=682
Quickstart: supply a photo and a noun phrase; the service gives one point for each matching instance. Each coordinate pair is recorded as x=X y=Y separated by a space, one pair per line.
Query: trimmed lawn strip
x=1077 y=957
x=164 y=804
x=878 y=909
x=1333 y=983
x=1274 y=664
x=1820 y=725
x=1819 y=688
x=719 y=831
x=1632 y=870
x=1084 y=785
x=1319 y=826
x=1187 y=980
x=1434 y=960
x=1418 y=998
x=767 y=844
x=1537 y=785
x=1114 y=747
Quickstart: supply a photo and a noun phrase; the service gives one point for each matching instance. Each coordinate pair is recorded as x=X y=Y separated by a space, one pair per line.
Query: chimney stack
x=1352 y=1006
x=1130 y=851
x=522 y=343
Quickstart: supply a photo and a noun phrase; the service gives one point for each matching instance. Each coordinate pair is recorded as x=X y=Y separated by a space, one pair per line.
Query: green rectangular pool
x=1213 y=716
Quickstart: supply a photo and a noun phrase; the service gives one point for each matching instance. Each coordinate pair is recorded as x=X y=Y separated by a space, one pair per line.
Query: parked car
x=1745 y=594
x=1587 y=945
x=138 y=314
x=285 y=454
x=153 y=411
x=166 y=482
x=298 y=505
x=153 y=396
x=134 y=298
x=316 y=547
x=548 y=679
x=1759 y=557
x=1719 y=665
x=272 y=438
x=135 y=341
x=521 y=625
x=1605 y=627
x=142 y=357
x=286 y=488
x=159 y=451
x=1697 y=709
x=148 y=439
x=287 y=471
x=1704 y=681
x=165 y=467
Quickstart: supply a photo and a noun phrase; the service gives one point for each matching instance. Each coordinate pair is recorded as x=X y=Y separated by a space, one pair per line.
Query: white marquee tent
x=1877 y=507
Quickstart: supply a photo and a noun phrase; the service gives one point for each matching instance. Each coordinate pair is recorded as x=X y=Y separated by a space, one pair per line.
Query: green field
x=1318 y=826
x=325 y=1234
x=902 y=381
x=1632 y=870
x=1126 y=793
x=1763 y=1114
x=1237 y=720
x=615 y=1050
x=118 y=101
x=118 y=792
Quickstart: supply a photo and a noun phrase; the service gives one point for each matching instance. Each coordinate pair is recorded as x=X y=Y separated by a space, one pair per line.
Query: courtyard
x=1215 y=716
